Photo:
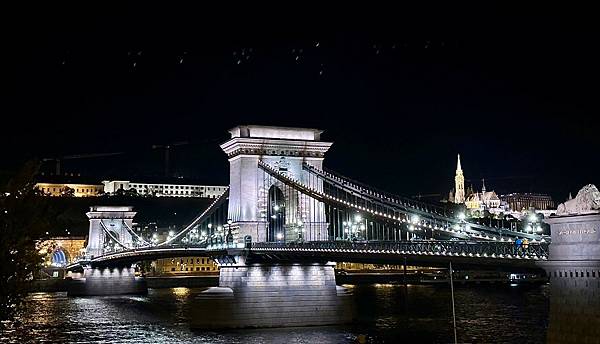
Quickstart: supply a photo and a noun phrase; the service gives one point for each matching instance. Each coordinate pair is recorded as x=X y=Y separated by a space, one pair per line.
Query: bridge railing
x=429 y=247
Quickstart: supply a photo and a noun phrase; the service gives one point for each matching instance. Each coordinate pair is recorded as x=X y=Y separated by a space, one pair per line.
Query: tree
x=23 y=220
x=131 y=192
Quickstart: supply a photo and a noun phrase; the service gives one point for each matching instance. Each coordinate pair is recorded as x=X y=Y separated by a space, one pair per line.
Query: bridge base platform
x=105 y=281
x=261 y=295
x=574 y=270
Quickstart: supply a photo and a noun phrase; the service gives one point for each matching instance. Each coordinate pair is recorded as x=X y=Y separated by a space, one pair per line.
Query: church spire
x=459 y=181
x=483 y=185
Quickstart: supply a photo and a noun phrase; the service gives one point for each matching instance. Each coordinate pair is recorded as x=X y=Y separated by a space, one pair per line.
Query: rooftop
x=273 y=132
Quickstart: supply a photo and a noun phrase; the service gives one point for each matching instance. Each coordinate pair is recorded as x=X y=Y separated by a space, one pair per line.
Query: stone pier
x=274 y=295
x=106 y=281
x=574 y=271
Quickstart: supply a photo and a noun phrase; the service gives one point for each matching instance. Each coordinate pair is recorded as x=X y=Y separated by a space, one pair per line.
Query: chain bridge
x=283 y=209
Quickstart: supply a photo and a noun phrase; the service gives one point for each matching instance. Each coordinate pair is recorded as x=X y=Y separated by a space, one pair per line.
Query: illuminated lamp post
x=229 y=237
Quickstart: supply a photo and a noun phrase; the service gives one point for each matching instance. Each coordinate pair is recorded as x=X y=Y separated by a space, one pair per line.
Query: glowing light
x=415 y=219
x=461 y=216
x=180 y=291
x=279 y=236
x=276 y=207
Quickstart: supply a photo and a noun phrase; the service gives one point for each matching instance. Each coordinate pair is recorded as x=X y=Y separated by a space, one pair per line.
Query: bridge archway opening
x=276 y=215
x=59 y=258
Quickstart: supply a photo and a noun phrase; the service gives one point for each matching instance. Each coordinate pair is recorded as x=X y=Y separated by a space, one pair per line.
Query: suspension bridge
x=283 y=209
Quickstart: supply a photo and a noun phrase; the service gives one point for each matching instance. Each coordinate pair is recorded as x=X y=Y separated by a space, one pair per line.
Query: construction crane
x=167 y=148
x=77 y=156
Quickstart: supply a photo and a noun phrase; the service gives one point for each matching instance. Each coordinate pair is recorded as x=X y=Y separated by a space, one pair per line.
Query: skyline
x=400 y=99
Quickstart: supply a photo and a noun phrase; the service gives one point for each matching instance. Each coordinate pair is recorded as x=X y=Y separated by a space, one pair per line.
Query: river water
x=385 y=314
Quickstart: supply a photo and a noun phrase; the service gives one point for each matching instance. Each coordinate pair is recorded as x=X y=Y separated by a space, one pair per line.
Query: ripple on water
x=385 y=313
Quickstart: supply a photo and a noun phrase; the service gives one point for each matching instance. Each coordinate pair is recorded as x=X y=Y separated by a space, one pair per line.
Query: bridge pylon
x=106 y=223
x=263 y=207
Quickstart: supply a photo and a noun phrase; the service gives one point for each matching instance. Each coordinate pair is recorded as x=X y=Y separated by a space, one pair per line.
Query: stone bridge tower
x=111 y=219
x=252 y=195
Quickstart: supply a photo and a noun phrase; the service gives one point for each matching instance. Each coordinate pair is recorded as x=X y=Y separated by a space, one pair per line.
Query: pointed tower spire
x=459 y=181
x=483 y=186
x=570 y=196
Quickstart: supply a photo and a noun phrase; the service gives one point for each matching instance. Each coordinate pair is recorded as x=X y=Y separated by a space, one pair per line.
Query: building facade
x=60 y=251
x=164 y=189
x=525 y=201
x=473 y=200
x=64 y=189
x=484 y=200
x=185 y=265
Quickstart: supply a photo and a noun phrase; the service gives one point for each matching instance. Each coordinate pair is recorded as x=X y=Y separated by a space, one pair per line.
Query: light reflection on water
x=385 y=313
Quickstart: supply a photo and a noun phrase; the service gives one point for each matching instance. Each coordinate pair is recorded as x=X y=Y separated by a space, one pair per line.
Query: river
x=386 y=313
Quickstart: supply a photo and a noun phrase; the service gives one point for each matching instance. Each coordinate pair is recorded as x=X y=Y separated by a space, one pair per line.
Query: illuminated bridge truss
x=361 y=222
x=355 y=210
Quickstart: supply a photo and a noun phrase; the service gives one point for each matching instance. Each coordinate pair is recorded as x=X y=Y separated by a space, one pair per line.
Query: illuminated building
x=347 y=266
x=171 y=189
x=60 y=251
x=525 y=201
x=64 y=189
x=483 y=200
x=185 y=265
x=459 y=183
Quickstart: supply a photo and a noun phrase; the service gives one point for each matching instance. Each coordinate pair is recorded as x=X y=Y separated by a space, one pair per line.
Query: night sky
x=400 y=91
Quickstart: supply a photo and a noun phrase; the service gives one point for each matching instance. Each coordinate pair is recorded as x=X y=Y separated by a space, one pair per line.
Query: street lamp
x=533 y=224
x=299 y=230
x=229 y=237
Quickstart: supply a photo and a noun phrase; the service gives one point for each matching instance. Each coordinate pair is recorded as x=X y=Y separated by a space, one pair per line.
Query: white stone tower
x=284 y=149
x=115 y=219
x=459 y=183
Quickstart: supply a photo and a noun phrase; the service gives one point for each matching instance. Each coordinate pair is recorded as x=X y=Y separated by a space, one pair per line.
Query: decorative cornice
x=274 y=147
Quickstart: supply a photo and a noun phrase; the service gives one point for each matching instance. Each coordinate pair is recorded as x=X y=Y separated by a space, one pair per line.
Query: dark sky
x=400 y=91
